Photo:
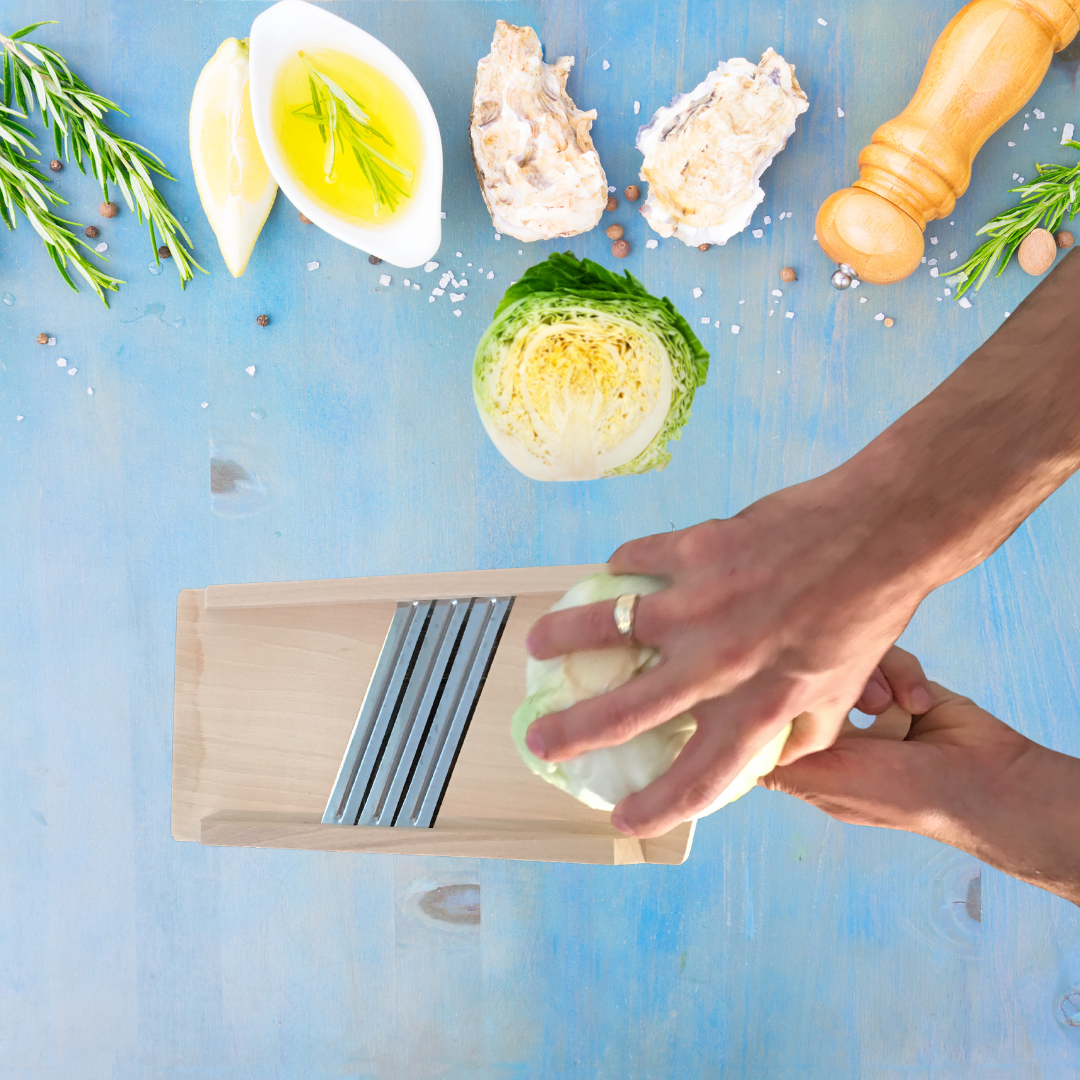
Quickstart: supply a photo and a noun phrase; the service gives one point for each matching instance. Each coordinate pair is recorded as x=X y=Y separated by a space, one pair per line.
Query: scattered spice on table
x=620 y=249
x=108 y=209
x=56 y=165
x=164 y=252
x=788 y=274
x=43 y=339
x=1063 y=238
x=374 y=260
x=615 y=232
x=888 y=321
x=632 y=193
x=263 y=320
x=612 y=203
x=703 y=247
x=91 y=231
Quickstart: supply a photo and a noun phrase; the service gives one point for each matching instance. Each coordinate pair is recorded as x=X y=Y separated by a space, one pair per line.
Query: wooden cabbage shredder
x=373 y=714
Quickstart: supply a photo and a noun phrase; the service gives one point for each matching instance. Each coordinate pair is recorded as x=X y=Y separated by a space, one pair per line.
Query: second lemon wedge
x=235 y=186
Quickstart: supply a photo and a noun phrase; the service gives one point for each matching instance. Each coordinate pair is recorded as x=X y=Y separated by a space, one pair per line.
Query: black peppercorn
x=374 y=260
x=91 y=231
x=164 y=252
x=55 y=165
x=263 y=320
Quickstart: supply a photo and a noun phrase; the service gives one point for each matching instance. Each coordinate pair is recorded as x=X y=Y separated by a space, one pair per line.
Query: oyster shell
x=539 y=172
x=706 y=151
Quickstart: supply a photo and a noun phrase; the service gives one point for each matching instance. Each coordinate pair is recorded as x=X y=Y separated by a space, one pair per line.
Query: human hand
x=961 y=776
x=780 y=612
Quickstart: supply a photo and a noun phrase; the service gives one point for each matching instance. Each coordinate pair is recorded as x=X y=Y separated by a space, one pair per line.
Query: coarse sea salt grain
x=384 y=279
x=933 y=262
x=862 y=299
x=18 y=416
x=52 y=341
x=855 y=283
x=313 y=265
x=1016 y=176
x=431 y=299
x=498 y=236
x=768 y=220
x=697 y=293
x=438 y=292
x=1039 y=114
x=72 y=370
x=839 y=111
x=777 y=292
x=415 y=286
x=1067 y=133
x=789 y=314
x=772 y=311
x=429 y=266
x=204 y=404
x=759 y=233
x=953 y=254
x=934 y=271
x=457 y=313
x=90 y=391
x=879 y=316
x=823 y=22
x=964 y=302
x=102 y=246
x=933 y=239
x=637 y=107
x=457 y=254
x=706 y=319
x=1027 y=127
x=717 y=324
x=462 y=283
x=651 y=243
x=491 y=275
x=61 y=362
x=735 y=328
x=606 y=65
x=456 y=297
x=406 y=283
x=948 y=292
x=250 y=370
x=1012 y=144
x=442 y=214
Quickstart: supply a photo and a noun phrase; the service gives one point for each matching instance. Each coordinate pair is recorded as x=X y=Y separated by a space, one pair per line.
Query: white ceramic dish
x=413 y=237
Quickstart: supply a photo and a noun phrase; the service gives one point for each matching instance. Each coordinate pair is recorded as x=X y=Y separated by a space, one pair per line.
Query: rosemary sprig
x=344 y=122
x=1044 y=202
x=23 y=188
x=76 y=115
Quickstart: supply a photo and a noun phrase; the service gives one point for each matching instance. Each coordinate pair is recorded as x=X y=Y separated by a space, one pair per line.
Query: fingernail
x=620 y=824
x=921 y=699
x=875 y=696
x=534 y=742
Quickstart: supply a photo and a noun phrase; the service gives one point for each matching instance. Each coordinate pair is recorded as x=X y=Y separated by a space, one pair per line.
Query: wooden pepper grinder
x=982 y=70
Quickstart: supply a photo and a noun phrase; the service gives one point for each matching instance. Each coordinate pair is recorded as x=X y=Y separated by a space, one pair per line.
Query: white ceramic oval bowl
x=411 y=237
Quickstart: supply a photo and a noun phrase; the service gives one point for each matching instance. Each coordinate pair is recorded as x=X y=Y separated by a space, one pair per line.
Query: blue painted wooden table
x=789 y=946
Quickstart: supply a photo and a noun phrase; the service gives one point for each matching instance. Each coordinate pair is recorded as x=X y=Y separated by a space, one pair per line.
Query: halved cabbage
x=601 y=778
x=583 y=374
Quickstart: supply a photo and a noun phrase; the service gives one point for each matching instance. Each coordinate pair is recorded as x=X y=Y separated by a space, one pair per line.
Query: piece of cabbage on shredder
x=584 y=374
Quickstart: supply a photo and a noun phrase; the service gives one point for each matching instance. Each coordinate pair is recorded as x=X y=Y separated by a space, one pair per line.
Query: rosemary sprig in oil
x=1045 y=202
x=344 y=124
x=76 y=115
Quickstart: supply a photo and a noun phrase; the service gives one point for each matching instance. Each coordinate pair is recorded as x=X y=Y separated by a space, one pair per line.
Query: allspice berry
x=263 y=320
x=889 y=322
x=620 y=249
x=787 y=274
x=1037 y=252
x=164 y=252
x=374 y=260
x=615 y=232
x=632 y=193
x=43 y=339
x=91 y=231
x=1063 y=239
x=703 y=247
x=108 y=209
x=304 y=218
x=56 y=165
x=612 y=203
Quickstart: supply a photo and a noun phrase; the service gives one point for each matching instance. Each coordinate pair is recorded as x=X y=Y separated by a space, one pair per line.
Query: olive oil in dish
x=348 y=134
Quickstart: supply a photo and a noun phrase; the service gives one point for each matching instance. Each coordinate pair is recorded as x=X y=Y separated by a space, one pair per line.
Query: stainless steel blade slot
x=475 y=653
x=416 y=711
x=376 y=712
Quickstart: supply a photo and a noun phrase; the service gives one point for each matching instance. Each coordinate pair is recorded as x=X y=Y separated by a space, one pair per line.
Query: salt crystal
x=606 y=65
x=964 y=302
x=777 y=292
x=90 y=391
x=789 y=314
x=637 y=107
x=862 y=299
x=839 y=111
x=717 y=324
x=772 y=311
x=742 y=301
x=697 y=293
x=1027 y=127
x=706 y=319
x=457 y=313
x=61 y=362
x=438 y=292
x=431 y=299
x=52 y=341
x=855 y=283
x=1016 y=176
x=933 y=262
x=429 y=266
x=948 y=292
x=442 y=214
x=491 y=275
x=406 y=283
x=72 y=370
x=939 y=299
x=250 y=370
x=102 y=246
x=768 y=220
x=879 y=316
x=498 y=236
x=758 y=234
x=952 y=254
x=1012 y=144
x=1007 y=314
x=470 y=264
x=651 y=243
x=457 y=254
x=479 y=270
x=462 y=283
x=1026 y=115
x=933 y=239
x=1039 y=114
x=18 y=416
x=923 y=259
x=520 y=252
x=313 y=266
x=934 y=271
x=1067 y=133
x=456 y=297
x=735 y=328
x=384 y=279
x=823 y=22
x=204 y=404
x=415 y=286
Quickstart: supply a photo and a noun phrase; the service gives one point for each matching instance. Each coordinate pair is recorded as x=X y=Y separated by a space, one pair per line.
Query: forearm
x=951 y=480
x=1027 y=825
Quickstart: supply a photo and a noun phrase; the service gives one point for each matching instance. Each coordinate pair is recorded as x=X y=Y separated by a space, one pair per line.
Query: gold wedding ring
x=625 y=608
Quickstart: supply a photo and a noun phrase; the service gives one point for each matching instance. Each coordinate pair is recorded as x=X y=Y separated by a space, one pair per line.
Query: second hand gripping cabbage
x=584 y=374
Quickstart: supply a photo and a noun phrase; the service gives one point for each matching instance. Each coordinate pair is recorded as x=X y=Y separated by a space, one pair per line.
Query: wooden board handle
x=982 y=70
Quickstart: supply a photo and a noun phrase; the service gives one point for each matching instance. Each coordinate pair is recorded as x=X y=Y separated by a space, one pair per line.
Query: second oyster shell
x=706 y=151
x=539 y=173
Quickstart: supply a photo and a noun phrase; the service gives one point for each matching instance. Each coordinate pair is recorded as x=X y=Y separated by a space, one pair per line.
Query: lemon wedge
x=234 y=184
